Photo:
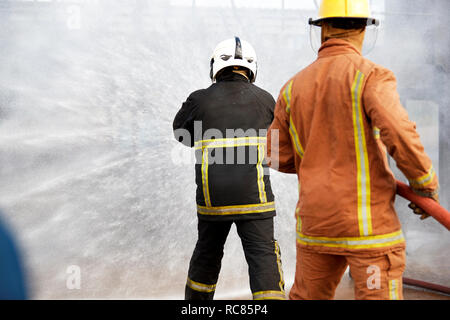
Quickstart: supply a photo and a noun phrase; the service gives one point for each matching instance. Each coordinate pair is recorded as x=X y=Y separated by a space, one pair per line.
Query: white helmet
x=234 y=52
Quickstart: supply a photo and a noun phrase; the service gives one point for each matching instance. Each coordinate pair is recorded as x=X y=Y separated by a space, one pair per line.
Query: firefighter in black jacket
x=227 y=125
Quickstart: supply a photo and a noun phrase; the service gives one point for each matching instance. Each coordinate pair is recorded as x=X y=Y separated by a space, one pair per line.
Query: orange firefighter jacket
x=332 y=121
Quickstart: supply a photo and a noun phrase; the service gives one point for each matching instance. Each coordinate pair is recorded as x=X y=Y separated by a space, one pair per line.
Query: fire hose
x=437 y=212
x=426 y=285
x=428 y=205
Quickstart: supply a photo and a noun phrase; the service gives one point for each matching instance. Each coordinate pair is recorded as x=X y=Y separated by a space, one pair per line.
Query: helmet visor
x=370 y=38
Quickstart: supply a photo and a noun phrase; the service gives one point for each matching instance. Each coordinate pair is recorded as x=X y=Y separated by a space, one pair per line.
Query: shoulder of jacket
x=260 y=92
x=290 y=82
x=381 y=74
x=368 y=68
x=197 y=94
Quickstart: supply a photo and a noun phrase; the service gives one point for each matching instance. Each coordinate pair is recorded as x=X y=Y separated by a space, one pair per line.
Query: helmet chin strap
x=242 y=73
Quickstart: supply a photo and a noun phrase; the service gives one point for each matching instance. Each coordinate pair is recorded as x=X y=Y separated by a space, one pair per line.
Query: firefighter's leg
x=206 y=260
x=378 y=278
x=317 y=275
x=263 y=257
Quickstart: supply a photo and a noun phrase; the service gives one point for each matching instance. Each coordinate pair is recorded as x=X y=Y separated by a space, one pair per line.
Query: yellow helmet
x=358 y=9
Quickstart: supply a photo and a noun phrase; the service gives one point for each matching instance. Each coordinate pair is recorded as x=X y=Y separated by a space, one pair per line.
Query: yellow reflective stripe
x=287 y=95
x=228 y=145
x=205 y=178
x=362 y=160
x=424 y=180
x=280 y=269
x=230 y=142
x=201 y=287
x=240 y=209
x=377 y=237
x=269 y=295
x=261 y=139
x=260 y=170
x=376 y=132
x=299 y=223
x=366 y=242
x=393 y=290
x=259 y=142
x=294 y=135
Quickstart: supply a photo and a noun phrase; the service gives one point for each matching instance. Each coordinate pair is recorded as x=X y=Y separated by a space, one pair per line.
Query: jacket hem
x=353 y=245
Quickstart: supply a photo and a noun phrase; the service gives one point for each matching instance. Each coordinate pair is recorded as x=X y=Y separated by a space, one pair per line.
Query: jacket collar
x=231 y=76
x=335 y=47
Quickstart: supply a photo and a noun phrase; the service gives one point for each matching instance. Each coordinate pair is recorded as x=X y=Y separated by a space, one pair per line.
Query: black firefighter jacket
x=227 y=125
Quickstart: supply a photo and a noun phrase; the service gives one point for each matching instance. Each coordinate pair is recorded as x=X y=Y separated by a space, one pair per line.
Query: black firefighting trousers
x=261 y=252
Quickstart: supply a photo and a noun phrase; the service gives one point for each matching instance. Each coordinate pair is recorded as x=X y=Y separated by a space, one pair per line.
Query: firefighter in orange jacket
x=334 y=121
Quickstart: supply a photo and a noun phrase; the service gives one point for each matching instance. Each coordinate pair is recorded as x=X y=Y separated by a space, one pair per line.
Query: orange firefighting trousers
x=377 y=277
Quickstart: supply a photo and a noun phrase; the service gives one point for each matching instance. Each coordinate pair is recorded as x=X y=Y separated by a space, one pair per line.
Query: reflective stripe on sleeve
x=362 y=160
x=424 y=180
x=297 y=145
x=299 y=223
x=376 y=132
x=240 y=209
x=287 y=95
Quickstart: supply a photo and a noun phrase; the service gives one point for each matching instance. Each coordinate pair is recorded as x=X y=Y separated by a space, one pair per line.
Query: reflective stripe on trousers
x=200 y=287
x=280 y=268
x=394 y=290
x=269 y=295
x=273 y=294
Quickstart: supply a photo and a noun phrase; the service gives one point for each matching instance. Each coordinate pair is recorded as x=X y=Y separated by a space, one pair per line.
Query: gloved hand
x=417 y=210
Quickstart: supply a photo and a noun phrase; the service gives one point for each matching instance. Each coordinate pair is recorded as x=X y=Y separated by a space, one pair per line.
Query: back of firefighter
x=335 y=119
x=227 y=125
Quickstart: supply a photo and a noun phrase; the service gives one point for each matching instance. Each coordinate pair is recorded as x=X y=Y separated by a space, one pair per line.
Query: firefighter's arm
x=398 y=133
x=279 y=146
x=183 y=124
